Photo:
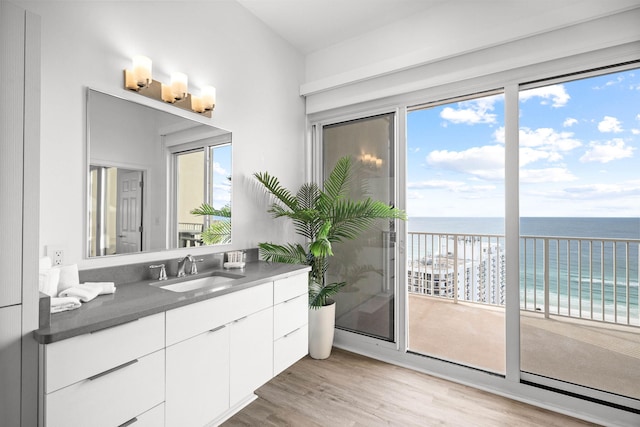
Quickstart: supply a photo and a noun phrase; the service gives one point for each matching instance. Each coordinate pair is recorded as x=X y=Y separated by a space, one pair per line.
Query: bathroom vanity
x=147 y=356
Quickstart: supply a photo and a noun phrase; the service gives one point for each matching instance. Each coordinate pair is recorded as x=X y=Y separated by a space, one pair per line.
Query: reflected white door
x=129 y=215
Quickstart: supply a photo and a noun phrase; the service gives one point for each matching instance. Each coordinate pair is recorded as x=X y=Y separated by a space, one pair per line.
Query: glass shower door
x=367 y=304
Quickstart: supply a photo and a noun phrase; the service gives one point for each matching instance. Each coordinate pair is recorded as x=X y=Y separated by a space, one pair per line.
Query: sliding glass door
x=580 y=233
x=367 y=304
x=456 y=283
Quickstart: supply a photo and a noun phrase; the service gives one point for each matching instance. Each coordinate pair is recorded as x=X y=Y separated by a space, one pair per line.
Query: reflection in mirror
x=116 y=210
x=203 y=195
x=155 y=180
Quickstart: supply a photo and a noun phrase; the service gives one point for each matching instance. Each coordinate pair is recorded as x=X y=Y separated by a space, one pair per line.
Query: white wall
x=257 y=76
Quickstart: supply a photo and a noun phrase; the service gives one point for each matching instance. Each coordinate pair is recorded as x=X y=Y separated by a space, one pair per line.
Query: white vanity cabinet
x=195 y=365
x=105 y=378
x=218 y=352
x=290 y=321
x=251 y=363
x=198 y=378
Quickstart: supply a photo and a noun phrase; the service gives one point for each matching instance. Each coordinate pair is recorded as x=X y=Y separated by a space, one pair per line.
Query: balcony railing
x=585 y=278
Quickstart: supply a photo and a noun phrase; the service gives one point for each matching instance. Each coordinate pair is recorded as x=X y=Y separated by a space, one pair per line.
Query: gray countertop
x=135 y=300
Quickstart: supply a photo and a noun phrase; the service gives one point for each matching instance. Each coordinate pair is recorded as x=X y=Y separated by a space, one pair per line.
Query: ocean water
x=608 y=228
x=582 y=276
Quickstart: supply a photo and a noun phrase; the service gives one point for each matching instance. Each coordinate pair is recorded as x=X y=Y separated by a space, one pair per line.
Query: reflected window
x=202 y=179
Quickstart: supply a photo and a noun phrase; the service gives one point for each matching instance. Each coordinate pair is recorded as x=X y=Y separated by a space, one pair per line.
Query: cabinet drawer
x=152 y=418
x=290 y=315
x=111 y=399
x=289 y=287
x=290 y=348
x=194 y=319
x=74 y=359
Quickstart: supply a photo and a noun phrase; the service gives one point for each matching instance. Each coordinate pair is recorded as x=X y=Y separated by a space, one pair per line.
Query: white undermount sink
x=213 y=283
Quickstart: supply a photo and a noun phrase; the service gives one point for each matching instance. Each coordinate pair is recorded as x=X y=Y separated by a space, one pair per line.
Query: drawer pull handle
x=112 y=326
x=108 y=371
x=217 y=329
x=128 y=423
x=292 y=332
x=240 y=319
x=291 y=299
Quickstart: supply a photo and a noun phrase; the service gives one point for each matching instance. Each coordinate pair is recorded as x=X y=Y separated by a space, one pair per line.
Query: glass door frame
x=315 y=174
x=512 y=384
x=609 y=398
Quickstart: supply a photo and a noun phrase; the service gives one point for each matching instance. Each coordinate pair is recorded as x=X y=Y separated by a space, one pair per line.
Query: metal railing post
x=546 y=277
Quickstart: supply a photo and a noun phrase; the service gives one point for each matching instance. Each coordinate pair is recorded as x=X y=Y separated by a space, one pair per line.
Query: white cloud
x=609 y=124
x=556 y=93
x=530 y=155
x=455 y=186
x=219 y=169
x=570 y=121
x=638 y=117
x=485 y=162
x=608 y=151
x=542 y=138
x=635 y=131
x=601 y=191
x=548 y=139
x=472 y=112
x=536 y=176
x=618 y=80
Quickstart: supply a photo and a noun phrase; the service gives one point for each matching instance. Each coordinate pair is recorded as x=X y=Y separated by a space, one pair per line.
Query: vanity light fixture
x=139 y=79
x=371 y=161
x=179 y=86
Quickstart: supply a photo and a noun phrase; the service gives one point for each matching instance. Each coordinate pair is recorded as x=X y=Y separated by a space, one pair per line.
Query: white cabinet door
x=251 y=354
x=197 y=372
x=10 y=321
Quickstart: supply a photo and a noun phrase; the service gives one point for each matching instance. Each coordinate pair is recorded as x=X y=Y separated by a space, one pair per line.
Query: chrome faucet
x=163 y=272
x=182 y=263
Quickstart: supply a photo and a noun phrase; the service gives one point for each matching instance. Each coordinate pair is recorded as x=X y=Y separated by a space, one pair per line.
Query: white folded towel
x=48 y=281
x=81 y=292
x=64 y=304
x=68 y=277
x=45 y=263
x=104 y=287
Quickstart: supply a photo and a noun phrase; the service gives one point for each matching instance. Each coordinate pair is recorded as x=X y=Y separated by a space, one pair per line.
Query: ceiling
x=310 y=25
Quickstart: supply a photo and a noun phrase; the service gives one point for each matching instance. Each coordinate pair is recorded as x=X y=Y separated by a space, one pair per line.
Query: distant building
x=475 y=268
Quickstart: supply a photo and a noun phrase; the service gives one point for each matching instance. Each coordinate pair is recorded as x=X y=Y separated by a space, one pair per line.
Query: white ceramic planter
x=321 y=326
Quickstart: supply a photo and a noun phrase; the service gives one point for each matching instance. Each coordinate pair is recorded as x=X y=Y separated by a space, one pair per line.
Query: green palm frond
x=273 y=187
x=319 y=294
x=219 y=232
x=290 y=253
x=322 y=216
x=352 y=218
x=206 y=209
x=336 y=185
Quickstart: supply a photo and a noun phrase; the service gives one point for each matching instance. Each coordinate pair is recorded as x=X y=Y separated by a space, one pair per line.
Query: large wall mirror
x=155 y=180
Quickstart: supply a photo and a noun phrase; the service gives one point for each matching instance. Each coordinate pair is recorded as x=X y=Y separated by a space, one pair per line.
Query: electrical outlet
x=56 y=253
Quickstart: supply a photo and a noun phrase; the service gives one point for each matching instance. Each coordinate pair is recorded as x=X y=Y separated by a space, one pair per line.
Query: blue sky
x=579 y=152
x=221 y=172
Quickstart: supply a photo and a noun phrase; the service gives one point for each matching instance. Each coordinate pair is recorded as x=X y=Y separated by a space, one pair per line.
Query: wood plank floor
x=351 y=390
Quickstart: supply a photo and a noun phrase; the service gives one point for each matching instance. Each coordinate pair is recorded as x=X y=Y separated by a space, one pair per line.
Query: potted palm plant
x=323 y=216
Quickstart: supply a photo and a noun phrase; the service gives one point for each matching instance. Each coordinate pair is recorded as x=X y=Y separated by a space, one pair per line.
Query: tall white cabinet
x=19 y=213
